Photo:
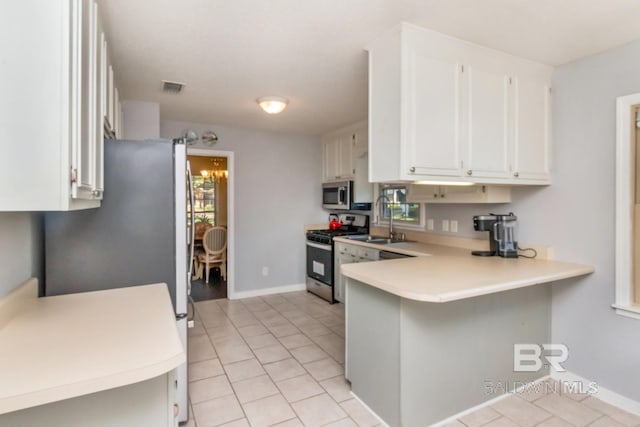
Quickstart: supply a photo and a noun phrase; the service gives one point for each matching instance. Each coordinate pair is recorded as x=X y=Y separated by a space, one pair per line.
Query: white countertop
x=59 y=347
x=443 y=274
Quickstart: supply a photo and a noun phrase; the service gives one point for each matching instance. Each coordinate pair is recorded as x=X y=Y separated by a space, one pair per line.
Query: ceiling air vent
x=172 y=87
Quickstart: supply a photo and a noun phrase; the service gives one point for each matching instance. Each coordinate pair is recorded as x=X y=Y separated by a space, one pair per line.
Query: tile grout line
x=262 y=323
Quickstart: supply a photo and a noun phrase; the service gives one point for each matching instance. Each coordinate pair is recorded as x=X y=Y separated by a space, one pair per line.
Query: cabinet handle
x=469 y=172
x=96 y=193
x=442 y=195
x=412 y=169
x=435 y=195
x=516 y=174
x=176 y=410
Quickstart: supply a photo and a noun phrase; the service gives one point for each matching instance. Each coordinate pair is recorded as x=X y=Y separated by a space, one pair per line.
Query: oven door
x=320 y=262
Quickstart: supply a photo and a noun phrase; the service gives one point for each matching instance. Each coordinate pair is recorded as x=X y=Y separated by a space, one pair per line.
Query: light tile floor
x=278 y=360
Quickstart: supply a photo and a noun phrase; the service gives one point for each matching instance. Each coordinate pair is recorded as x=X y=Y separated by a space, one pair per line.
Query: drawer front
x=368 y=254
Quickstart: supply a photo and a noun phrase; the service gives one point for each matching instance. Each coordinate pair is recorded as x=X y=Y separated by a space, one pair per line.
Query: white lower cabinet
x=148 y=403
x=348 y=254
x=458 y=194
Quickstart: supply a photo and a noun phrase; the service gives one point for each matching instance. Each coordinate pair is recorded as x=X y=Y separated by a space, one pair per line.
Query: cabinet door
x=368 y=254
x=104 y=72
x=101 y=78
x=345 y=156
x=116 y=115
x=330 y=159
x=85 y=162
x=460 y=194
x=532 y=134
x=487 y=123
x=360 y=142
x=417 y=193
x=431 y=116
x=110 y=96
x=339 y=279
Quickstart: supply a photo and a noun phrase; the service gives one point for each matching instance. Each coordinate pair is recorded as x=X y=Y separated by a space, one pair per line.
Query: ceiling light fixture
x=216 y=172
x=272 y=104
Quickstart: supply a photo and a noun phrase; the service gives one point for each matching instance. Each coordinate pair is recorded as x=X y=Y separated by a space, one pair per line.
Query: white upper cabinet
x=60 y=87
x=346 y=158
x=331 y=164
x=532 y=133
x=487 y=136
x=443 y=109
x=51 y=142
x=342 y=149
x=432 y=115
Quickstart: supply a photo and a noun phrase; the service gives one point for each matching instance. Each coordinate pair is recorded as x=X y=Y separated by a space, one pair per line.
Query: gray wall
x=141 y=120
x=277 y=191
x=20 y=249
x=576 y=215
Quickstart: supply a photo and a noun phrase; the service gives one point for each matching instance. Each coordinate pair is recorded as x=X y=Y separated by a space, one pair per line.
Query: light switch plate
x=445 y=225
x=430 y=225
x=454 y=226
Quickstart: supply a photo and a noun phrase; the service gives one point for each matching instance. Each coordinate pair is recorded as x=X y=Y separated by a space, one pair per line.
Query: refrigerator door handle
x=191 y=314
x=192 y=228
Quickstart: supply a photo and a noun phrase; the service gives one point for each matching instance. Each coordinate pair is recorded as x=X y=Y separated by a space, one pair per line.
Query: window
x=627 y=286
x=393 y=201
x=204 y=199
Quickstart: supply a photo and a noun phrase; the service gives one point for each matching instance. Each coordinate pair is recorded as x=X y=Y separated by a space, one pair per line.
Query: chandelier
x=216 y=172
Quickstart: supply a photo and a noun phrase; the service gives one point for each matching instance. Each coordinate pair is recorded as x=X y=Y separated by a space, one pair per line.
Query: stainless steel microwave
x=337 y=195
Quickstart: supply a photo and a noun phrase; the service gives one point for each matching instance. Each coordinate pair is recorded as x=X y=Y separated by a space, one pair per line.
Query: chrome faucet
x=382 y=196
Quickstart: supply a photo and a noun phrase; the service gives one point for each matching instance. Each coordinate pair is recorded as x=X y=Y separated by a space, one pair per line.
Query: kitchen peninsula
x=433 y=335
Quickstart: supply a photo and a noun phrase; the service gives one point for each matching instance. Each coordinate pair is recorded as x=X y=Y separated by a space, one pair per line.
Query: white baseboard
x=520 y=389
x=453 y=418
x=603 y=394
x=268 y=291
x=380 y=420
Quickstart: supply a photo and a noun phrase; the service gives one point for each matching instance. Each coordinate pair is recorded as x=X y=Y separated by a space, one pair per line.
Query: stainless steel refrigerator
x=139 y=235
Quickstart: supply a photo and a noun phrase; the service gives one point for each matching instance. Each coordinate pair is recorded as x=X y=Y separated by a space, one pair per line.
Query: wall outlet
x=430 y=224
x=454 y=226
x=265 y=271
x=445 y=225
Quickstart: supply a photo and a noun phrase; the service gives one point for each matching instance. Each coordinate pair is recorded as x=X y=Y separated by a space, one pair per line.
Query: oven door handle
x=319 y=246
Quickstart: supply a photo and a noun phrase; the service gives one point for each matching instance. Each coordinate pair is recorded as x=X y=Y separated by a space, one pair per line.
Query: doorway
x=212 y=173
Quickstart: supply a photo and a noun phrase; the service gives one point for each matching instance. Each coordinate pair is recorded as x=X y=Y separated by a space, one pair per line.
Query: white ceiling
x=230 y=52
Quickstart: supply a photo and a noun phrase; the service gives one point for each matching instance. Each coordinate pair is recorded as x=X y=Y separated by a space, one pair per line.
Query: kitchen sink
x=381 y=240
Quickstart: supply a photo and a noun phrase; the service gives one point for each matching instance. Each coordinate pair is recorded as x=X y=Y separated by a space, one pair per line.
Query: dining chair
x=215 y=251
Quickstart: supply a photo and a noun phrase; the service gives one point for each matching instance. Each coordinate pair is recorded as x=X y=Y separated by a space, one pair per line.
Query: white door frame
x=625 y=123
x=231 y=265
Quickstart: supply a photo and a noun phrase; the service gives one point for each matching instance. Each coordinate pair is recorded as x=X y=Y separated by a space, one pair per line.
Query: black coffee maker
x=502 y=234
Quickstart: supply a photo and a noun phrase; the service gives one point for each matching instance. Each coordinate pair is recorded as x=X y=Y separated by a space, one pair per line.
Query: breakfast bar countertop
x=442 y=273
x=59 y=347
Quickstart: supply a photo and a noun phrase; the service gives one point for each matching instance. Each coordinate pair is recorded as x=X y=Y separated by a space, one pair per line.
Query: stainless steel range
x=320 y=253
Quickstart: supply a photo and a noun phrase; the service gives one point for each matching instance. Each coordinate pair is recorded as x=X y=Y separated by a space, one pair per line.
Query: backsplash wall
x=464 y=213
